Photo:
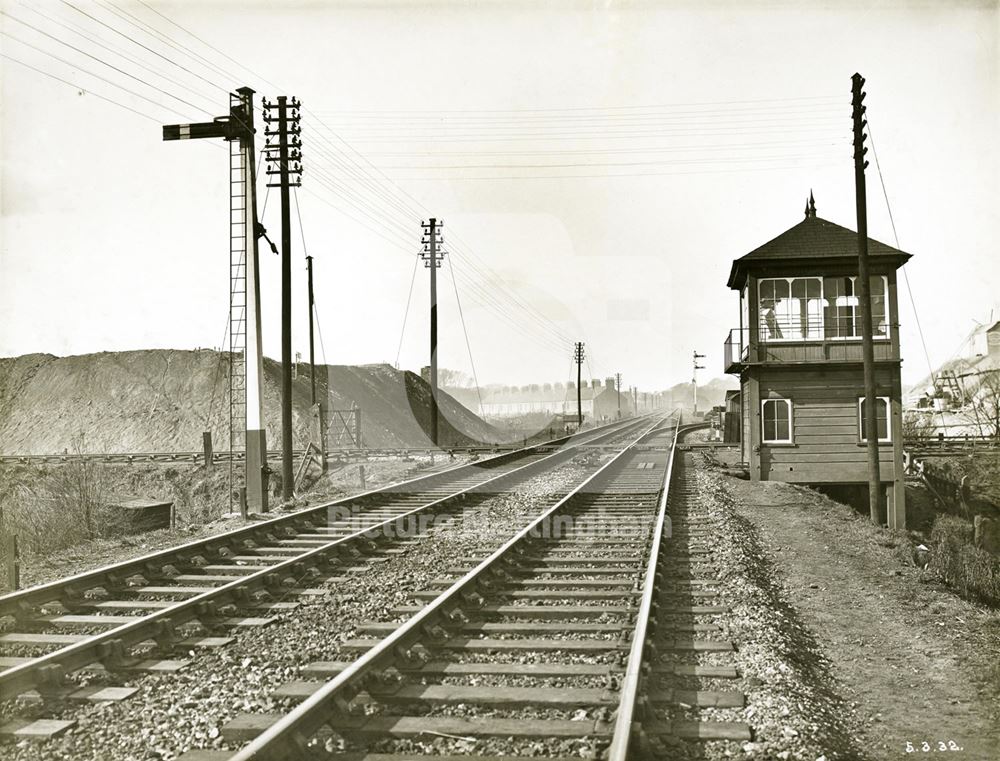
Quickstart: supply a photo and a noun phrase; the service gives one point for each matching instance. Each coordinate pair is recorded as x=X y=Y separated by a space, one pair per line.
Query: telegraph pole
x=618 y=388
x=865 y=298
x=286 y=163
x=312 y=349
x=237 y=129
x=578 y=355
x=694 y=377
x=432 y=255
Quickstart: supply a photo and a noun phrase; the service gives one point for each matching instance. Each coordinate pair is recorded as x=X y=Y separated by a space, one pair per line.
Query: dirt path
x=916 y=663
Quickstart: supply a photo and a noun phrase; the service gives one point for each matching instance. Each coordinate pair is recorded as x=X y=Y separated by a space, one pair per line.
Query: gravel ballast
x=171 y=714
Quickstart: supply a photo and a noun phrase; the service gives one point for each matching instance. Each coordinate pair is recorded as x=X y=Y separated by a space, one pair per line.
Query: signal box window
x=791 y=309
x=776 y=421
x=881 y=417
x=842 y=316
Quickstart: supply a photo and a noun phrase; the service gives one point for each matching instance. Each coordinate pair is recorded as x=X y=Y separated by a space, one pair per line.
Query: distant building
x=598 y=401
x=986 y=341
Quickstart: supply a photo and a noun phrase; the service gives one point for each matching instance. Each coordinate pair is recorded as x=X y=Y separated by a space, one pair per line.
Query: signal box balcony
x=816 y=347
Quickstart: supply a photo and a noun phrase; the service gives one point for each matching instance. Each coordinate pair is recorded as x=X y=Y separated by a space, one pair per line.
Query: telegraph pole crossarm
x=432 y=255
x=284 y=154
x=578 y=356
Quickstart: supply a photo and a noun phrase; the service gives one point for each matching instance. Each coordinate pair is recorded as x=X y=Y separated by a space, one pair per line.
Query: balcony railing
x=805 y=347
x=736 y=349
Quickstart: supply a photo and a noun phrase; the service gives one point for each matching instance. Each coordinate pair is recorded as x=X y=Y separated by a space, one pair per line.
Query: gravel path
x=792 y=702
x=171 y=714
x=914 y=662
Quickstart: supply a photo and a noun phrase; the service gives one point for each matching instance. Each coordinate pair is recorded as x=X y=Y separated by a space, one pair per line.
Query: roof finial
x=811 y=211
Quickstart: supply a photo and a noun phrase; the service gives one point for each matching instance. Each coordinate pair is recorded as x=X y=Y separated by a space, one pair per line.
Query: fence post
x=206 y=444
x=319 y=433
x=12 y=557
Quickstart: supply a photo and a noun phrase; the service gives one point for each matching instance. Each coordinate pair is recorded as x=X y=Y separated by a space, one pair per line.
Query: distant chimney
x=610 y=383
x=571 y=386
x=595 y=383
x=546 y=387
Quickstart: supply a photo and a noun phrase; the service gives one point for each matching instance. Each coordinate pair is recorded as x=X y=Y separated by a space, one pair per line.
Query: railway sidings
x=563 y=639
x=128 y=619
x=593 y=599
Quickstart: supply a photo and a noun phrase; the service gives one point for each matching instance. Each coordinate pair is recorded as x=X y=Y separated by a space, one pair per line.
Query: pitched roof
x=811 y=239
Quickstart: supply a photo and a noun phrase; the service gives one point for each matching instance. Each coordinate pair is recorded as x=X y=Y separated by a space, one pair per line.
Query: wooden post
x=206 y=445
x=12 y=558
x=312 y=347
x=754 y=444
x=432 y=258
x=318 y=433
x=359 y=441
x=865 y=303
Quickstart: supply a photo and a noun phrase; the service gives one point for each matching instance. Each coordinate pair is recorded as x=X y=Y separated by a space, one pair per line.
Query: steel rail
x=629 y=696
x=13 y=603
x=51 y=667
x=286 y=738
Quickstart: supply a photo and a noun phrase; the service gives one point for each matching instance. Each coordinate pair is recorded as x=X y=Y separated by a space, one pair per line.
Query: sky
x=597 y=167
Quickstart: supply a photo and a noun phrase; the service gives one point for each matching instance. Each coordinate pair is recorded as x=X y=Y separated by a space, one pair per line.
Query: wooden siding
x=821 y=351
x=745 y=442
x=826 y=446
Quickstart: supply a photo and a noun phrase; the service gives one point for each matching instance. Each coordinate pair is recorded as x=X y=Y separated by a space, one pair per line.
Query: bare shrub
x=973 y=572
x=61 y=507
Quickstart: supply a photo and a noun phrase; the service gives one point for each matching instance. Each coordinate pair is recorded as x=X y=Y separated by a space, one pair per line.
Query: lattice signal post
x=284 y=156
x=245 y=357
x=432 y=256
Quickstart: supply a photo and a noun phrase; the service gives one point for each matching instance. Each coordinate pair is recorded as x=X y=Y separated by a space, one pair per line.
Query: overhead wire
x=352 y=162
x=831 y=97
x=406 y=312
x=77 y=66
x=78 y=88
x=146 y=47
x=465 y=330
x=895 y=235
x=116 y=50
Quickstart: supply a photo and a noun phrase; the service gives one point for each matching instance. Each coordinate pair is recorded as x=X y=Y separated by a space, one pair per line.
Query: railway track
x=115 y=613
x=567 y=635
